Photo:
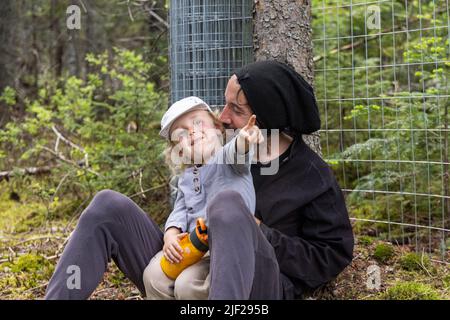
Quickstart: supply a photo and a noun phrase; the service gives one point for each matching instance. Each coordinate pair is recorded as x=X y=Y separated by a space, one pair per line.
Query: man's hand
x=258 y=222
x=249 y=134
x=172 y=250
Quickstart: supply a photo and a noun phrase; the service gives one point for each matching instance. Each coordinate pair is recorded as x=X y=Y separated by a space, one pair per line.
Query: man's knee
x=104 y=204
x=227 y=207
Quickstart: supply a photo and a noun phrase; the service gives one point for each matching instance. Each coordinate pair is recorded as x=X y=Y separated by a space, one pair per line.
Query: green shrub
x=383 y=252
x=411 y=291
x=105 y=129
x=414 y=262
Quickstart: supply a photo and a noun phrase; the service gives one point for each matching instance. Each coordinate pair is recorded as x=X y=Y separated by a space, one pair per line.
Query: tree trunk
x=7 y=55
x=282 y=31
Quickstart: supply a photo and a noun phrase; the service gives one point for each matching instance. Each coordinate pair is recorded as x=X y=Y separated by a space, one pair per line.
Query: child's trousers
x=192 y=283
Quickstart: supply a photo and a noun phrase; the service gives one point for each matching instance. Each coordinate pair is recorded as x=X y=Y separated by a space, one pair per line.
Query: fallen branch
x=145 y=191
x=64 y=159
x=28 y=171
x=38 y=287
x=36 y=238
x=70 y=143
x=52 y=257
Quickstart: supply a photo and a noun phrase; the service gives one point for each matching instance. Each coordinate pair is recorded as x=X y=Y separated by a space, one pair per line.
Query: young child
x=195 y=146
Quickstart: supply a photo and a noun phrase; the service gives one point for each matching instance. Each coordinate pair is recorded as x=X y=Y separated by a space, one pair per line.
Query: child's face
x=196 y=133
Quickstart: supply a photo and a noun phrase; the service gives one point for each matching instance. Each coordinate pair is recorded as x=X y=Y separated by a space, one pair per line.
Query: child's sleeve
x=177 y=217
x=239 y=162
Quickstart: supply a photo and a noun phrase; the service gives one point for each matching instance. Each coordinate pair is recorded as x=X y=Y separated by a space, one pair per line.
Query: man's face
x=236 y=112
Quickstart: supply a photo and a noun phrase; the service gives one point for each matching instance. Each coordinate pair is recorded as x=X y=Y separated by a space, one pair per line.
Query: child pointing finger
x=250 y=134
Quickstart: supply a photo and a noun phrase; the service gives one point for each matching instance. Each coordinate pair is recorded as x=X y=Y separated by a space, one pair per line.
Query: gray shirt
x=198 y=185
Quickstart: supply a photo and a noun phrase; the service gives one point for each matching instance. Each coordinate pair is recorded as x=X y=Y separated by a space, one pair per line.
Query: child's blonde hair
x=179 y=168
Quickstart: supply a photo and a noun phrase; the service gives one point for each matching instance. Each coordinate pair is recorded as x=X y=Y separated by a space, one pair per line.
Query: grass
x=414 y=262
x=383 y=252
x=411 y=291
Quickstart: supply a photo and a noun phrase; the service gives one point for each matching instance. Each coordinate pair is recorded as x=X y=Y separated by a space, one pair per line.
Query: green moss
x=446 y=281
x=411 y=291
x=383 y=252
x=414 y=262
x=365 y=240
x=8 y=281
x=29 y=263
x=33 y=220
x=32 y=268
x=28 y=271
x=29 y=214
x=16 y=217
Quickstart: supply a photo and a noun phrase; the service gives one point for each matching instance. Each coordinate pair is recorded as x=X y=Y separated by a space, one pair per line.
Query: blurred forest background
x=80 y=112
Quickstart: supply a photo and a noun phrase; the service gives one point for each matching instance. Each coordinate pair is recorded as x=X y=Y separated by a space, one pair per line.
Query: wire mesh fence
x=381 y=78
x=208 y=41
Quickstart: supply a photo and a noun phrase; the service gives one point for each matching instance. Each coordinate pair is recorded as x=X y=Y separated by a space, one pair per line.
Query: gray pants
x=243 y=264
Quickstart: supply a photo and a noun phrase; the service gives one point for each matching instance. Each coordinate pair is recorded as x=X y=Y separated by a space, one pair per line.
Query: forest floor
x=31 y=242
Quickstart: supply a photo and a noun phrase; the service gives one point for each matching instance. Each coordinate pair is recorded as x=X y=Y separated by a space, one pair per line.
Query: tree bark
x=282 y=31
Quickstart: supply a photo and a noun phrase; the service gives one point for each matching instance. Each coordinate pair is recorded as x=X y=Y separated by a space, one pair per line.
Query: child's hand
x=172 y=249
x=249 y=134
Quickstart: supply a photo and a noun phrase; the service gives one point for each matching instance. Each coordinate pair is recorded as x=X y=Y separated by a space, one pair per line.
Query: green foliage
x=8 y=96
x=411 y=291
x=29 y=263
x=27 y=271
x=414 y=262
x=446 y=282
x=383 y=252
x=103 y=131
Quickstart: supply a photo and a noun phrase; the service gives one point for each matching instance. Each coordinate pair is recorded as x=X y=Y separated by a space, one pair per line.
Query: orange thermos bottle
x=194 y=246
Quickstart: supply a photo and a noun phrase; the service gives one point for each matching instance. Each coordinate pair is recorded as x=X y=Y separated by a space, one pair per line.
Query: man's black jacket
x=304 y=217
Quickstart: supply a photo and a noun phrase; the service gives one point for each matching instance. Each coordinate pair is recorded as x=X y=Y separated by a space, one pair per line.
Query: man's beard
x=227 y=126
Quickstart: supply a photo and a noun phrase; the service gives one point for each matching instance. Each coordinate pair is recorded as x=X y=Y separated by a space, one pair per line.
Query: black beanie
x=280 y=97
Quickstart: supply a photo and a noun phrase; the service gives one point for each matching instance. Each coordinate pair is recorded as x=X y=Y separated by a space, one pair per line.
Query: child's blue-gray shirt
x=198 y=185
